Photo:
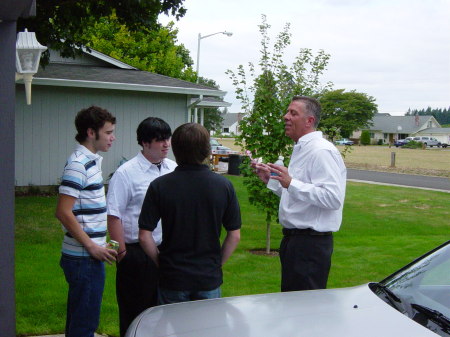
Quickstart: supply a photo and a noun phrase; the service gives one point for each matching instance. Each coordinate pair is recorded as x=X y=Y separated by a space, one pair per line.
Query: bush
x=365 y=137
x=413 y=145
x=380 y=142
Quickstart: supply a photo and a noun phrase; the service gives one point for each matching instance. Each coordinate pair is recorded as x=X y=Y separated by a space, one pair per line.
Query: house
x=45 y=129
x=386 y=129
x=230 y=124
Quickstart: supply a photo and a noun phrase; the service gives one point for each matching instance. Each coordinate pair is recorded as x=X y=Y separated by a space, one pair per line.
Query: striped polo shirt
x=82 y=179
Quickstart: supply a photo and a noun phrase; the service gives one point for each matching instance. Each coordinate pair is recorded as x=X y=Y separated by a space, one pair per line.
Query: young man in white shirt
x=82 y=211
x=137 y=275
x=312 y=191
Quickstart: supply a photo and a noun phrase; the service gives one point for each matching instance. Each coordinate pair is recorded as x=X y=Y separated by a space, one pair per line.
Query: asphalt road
x=409 y=180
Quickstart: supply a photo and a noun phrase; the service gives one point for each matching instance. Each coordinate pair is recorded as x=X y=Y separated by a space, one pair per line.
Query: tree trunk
x=268 y=220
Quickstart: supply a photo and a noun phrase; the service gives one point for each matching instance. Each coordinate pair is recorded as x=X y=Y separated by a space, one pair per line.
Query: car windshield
x=214 y=142
x=421 y=290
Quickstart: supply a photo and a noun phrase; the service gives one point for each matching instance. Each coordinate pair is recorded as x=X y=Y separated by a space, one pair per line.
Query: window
x=372 y=135
x=226 y=130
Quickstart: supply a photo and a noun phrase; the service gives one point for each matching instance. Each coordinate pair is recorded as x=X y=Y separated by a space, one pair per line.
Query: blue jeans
x=166 y=296
x=86 y=279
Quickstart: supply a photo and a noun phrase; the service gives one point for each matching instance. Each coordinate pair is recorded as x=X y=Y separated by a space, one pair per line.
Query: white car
x=217 y=148
x=413 y=302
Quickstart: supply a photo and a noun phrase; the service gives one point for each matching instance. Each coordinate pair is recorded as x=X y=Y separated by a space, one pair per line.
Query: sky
x=397 y=51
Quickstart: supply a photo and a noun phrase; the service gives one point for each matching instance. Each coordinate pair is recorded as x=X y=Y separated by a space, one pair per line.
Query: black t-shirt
x=193 y=203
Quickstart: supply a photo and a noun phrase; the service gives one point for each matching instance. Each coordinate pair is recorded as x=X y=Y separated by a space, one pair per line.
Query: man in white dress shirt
x=312 y=191
x=137 y=275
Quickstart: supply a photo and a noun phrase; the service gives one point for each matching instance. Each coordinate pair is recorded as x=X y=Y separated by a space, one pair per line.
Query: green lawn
x=384 y=228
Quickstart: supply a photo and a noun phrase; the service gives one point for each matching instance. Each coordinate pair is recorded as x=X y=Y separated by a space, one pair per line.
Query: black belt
x=305 y=231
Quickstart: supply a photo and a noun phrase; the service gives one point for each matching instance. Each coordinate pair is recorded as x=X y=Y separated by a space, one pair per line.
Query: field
x=431 y=161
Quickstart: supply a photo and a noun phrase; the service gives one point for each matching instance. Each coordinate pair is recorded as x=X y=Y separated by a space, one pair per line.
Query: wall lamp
x=28 y=55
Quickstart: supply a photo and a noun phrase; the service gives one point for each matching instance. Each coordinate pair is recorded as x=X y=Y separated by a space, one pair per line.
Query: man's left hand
x=282 y=174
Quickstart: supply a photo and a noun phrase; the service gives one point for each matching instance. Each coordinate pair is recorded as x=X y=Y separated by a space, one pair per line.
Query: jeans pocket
x=71 y=268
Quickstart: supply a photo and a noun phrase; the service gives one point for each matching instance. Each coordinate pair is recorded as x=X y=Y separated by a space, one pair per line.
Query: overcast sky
x=397 y=51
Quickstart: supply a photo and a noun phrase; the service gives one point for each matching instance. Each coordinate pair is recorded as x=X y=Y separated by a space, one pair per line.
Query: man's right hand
x=102 y=253
x=261 y=170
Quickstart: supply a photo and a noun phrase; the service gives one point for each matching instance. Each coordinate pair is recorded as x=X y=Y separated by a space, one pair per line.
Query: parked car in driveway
x=412 y=302
x=217 y=148
x=401 y=142
x=428 y=141
x=344 y=141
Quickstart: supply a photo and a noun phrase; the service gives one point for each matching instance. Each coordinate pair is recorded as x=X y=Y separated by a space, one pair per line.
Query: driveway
x=407 y=180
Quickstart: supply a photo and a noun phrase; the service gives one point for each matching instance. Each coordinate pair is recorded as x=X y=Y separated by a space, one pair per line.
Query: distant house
x=230 y=124
x=387 y=129
x=45 y=129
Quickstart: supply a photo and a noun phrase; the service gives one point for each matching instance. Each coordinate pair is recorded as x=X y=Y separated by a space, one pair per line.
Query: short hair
x=312 y=107
x=152 y=128
x=191 y=144
x=93 y=118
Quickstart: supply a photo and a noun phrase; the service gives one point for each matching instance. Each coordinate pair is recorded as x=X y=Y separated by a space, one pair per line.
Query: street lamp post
x=200 y=37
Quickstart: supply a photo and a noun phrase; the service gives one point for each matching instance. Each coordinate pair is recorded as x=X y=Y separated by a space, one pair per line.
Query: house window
x=372 y=135
x=226 y=130
x=385 y=135
x=430 y=124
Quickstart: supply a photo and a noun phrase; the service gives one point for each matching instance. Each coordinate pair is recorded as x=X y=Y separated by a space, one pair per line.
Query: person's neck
x=151 y=159
x=88 y=145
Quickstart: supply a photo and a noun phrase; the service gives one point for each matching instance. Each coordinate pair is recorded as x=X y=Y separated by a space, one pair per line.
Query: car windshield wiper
x=434 y=315
x=393 y=299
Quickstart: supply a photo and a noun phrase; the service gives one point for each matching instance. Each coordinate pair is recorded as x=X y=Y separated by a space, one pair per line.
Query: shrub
x=413 y=145
x=365 y=137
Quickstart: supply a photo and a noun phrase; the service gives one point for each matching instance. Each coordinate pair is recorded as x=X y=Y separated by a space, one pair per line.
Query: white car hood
x=346 y=312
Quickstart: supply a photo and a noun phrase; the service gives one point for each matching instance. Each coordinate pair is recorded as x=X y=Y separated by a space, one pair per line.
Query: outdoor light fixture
x=28 y=55
x=200 y=37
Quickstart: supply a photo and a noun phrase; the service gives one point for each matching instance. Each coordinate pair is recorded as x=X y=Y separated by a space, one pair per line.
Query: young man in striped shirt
x=82 y=211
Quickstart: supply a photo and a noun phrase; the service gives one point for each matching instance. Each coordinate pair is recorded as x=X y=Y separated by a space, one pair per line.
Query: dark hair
x=152 y=128
x=93 y=118
x=190 y=144
x=312 y=107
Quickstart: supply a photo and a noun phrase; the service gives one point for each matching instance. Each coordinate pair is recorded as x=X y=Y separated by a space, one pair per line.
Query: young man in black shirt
x=193 y=204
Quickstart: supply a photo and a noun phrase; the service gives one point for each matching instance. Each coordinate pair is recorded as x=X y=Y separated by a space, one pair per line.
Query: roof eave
x=126 y=86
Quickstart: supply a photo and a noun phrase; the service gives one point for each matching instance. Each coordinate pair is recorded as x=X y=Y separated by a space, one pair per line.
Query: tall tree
x=60 y=24
x=153 y=50
x=265 y=94
x=344 y=112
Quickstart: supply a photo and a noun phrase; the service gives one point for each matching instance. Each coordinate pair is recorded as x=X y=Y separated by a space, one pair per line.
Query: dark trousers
x=136 y=285
x=305 y=257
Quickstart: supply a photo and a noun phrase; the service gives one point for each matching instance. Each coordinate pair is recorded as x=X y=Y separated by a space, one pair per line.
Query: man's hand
x=101 y=253
x=261 y=170
x=282 y=174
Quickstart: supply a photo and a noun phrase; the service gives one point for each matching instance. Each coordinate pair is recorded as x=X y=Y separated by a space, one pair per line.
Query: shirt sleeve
x=326 y=185
x=74 y=179
x=149 y=217
x=118 y=195
x=232 y=215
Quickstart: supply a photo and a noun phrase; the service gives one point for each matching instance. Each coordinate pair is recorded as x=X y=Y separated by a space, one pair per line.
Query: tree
x=345 y=112
x=213 y=116
x=264 y=99
x=441 y=115
x=153 y=50
x=60 y=24
x=365 y=137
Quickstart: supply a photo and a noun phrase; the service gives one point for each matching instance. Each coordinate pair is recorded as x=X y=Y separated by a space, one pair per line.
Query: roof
x=208 y=102
x=399 y=124
x=96 y=70
x=230 y=118
x=70 y=75
x=435 y=131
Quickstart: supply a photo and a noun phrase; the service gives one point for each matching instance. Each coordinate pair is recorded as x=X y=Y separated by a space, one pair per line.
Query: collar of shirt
x=92 y=156
x=192 y=167
x=308 y=137
x=147 y=165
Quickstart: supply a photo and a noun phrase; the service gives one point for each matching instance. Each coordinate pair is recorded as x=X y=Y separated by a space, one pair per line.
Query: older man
x=312 y=191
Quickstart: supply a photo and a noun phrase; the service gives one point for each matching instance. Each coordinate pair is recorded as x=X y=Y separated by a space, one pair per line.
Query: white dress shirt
x=126 y=193
x=315 y=197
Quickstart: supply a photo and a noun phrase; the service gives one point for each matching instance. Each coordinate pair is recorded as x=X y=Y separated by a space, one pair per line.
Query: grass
x=383 y=228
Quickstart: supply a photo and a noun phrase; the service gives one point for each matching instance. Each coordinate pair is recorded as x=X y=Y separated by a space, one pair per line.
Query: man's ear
x=90 y=133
